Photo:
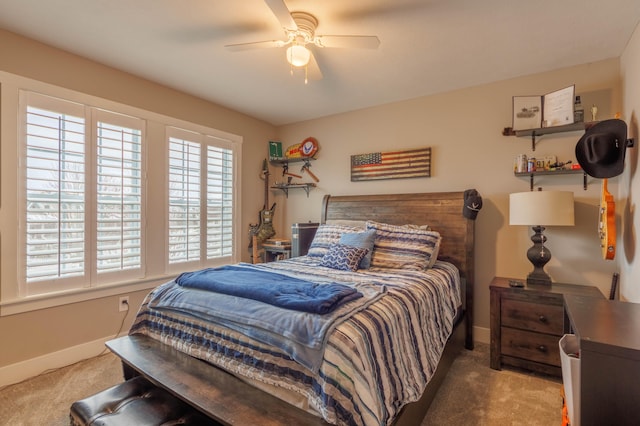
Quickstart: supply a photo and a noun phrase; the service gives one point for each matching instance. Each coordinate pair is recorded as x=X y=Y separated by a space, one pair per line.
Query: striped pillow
x=327 y=235
x=401 y=247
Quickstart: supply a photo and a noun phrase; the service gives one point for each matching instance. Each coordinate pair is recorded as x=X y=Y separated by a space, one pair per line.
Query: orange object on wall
x=565 y=410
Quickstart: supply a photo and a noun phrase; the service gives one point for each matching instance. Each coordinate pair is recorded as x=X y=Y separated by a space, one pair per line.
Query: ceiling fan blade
x=255 y=45
x=313 y=70
x=348 y=41
x=282 y=13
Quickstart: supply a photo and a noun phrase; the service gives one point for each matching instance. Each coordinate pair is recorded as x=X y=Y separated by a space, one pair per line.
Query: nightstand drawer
x=532 y=316
x=530 y=346
x=527 y=323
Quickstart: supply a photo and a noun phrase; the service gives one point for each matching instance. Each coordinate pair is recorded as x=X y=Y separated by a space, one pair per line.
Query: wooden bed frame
x=231 y=401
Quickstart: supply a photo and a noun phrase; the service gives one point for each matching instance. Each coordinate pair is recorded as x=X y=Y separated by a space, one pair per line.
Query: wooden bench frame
x=214 y=392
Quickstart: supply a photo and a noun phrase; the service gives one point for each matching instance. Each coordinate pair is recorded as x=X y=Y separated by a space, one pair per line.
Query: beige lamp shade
x=543 y=208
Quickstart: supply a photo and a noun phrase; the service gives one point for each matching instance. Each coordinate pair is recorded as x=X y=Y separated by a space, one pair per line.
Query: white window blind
x=200 y=225
x=83 y=195
x=55 y=174
x=118 y=193
x=184 y=200
x=219 y=202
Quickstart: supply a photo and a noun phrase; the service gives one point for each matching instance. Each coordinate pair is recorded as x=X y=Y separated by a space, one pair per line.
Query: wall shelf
x=532 y=175
x=306 y=167
x=286 y=161
x=534 y=133
x=574 y=127
x=286 y=187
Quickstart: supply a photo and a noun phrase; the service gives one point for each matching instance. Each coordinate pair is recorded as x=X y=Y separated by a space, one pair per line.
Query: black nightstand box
x=301 y=237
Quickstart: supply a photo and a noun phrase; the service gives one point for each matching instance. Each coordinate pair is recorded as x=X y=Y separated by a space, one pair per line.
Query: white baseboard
x=481 y=335
x=15 y=373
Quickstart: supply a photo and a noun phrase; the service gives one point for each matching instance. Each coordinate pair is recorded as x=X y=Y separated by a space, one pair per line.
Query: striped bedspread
x=374 y=363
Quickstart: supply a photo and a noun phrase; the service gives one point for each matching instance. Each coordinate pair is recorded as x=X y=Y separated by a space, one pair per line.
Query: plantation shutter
x=184 y=200
x=82 y=220
x=200 y=225
x=54 y=190
x=118 y=193
x=219 y=202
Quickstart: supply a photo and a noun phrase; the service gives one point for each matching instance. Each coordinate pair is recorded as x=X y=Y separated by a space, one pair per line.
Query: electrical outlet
x=123 y=304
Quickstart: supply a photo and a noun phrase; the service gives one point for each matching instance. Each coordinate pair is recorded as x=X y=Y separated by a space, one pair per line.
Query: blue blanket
x=275 y=289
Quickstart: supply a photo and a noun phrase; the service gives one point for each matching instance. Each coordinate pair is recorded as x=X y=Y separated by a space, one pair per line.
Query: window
x=200 y=207
x=88 y=173
x=55 y=197
x=118 y=193
x=82 y=199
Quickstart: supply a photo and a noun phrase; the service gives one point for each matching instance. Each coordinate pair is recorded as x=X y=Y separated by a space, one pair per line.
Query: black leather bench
x=135 y=402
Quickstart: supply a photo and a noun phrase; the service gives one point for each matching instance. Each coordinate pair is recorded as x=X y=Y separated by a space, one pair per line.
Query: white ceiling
x=426 y=46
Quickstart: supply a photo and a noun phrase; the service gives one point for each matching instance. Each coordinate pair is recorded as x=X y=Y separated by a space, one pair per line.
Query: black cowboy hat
x=600 y=151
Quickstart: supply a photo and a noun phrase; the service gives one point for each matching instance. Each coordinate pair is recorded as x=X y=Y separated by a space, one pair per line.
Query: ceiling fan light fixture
x=298 y=55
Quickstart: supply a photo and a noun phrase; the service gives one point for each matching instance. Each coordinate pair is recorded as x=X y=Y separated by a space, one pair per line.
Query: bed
x=360 y=376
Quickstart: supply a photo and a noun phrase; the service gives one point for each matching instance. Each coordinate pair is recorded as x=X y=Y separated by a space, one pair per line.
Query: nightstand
x=276 y=250
x=527 y=323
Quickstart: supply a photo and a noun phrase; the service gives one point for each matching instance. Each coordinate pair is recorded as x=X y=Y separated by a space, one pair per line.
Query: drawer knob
x=542 y=318
x=542 y=348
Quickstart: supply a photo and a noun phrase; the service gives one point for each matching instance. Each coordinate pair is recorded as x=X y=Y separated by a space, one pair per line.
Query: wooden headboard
x=442 y=211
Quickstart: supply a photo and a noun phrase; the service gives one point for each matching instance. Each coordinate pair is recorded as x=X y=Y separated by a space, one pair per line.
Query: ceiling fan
x=300 y=28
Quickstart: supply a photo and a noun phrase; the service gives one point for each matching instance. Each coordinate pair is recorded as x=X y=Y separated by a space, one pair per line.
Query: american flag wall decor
x=410 y=163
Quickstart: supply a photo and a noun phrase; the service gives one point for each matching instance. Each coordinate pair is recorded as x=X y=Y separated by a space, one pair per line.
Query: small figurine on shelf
x=559 y=165
x=594 y=112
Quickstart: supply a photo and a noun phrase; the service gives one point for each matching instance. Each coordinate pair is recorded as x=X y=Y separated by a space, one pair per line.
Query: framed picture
x=402 y=164
x=558 y=107
x=527 y=112
x=275 y=150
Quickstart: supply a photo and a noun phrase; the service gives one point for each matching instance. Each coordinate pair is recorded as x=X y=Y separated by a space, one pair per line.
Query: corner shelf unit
x=532 y=175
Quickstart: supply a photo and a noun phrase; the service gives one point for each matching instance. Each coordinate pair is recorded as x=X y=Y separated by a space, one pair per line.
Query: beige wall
x=38 y=333
x=629 y=191
x=464 y=130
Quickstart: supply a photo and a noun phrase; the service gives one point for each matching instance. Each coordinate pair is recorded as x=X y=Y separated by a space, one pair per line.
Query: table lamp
x=539 y=209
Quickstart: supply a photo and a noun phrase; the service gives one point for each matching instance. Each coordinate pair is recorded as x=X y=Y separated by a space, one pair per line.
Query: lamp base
x=538 y=255
x=537 y=278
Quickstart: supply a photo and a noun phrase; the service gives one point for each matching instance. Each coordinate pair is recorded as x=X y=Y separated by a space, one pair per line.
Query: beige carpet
x=472 y=394
x=45 y=400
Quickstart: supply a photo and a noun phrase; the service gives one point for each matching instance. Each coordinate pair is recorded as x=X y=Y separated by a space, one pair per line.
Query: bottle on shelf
x=578 y=111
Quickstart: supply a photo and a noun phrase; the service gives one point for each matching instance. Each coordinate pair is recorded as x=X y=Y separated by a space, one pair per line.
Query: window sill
x=44 y=301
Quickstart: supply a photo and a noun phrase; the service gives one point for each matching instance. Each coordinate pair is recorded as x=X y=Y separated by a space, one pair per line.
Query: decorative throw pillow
x=361 y=239
x=343 y=257
x=327 y=235
x=400 y=247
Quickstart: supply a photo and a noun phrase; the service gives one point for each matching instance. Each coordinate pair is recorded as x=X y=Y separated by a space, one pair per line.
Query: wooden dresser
x=528 y=322
x=609 y=336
